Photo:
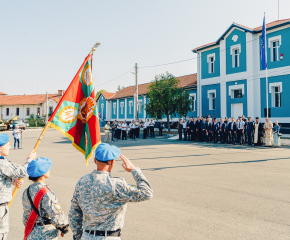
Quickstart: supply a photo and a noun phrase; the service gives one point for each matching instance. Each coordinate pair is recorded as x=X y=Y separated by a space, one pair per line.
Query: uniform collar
x=101 y=172
x=1 y=157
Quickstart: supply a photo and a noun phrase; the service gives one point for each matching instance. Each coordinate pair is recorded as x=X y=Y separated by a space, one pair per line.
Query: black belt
x=116 y=233
x=43 y=223
x=2 y=204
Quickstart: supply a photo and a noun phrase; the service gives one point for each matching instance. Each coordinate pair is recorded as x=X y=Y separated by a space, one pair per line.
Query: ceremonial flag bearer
x=9 y=173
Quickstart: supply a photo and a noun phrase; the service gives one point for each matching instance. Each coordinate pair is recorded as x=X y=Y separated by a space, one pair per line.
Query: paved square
x=201 y=191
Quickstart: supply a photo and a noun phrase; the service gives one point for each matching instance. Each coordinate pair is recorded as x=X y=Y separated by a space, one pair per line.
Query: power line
x=115 y=78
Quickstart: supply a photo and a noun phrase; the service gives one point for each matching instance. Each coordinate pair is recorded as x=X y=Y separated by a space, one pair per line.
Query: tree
x=99 y=92
x=120 y=88
x=167 y=98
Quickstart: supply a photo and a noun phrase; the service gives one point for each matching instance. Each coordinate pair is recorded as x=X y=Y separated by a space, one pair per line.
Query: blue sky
x=43 y=43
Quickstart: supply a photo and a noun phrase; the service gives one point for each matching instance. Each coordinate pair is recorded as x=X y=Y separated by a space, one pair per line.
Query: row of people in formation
x=241 y=130
x=120 y=129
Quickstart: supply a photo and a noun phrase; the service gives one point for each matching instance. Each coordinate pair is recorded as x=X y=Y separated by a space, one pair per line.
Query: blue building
x=121 y=105
x=230 y=79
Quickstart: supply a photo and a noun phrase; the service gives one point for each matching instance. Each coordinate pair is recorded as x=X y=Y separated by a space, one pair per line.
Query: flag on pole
x=76 y=115
x=263 y=51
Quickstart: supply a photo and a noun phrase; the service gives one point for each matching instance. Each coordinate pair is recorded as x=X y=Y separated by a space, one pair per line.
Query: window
x=277 y=97
x=114 y=107
x=275 y=51
x=238 y=93
x=122 y=107
x=50 y=110
x=274 y=45
x=235 y=52
x=210 y=60
x=130 y=107
x=102 y=107
x=7 y=111
x=27 y=111
x=140 y=106
x=275 y=89
x=212 y=97
x=192 y=101
x=211 y=65
x=38 y=111
x=17 y=111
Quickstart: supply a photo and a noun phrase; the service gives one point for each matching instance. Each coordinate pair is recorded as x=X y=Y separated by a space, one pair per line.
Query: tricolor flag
x=263 y=51
x=76 y=115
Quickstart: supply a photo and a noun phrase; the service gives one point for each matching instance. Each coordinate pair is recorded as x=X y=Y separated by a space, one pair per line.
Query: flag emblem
x=68 y=114
x=87 y=76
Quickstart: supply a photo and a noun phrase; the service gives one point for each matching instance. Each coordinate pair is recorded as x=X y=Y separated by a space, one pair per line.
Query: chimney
x=60 y=92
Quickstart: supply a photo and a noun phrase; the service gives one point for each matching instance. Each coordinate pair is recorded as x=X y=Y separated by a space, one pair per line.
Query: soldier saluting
x=9 y=175
x=99 y=202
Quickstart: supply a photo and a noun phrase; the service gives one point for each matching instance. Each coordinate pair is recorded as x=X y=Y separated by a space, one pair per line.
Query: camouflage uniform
x=8 y=172
x=99 y=202
x=48 y=208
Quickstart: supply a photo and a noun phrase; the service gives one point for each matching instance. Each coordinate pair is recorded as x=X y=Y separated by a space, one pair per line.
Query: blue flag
x=263 y=50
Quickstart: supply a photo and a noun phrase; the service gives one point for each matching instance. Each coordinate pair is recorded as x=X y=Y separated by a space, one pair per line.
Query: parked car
x=3 y=127
x=19 y=123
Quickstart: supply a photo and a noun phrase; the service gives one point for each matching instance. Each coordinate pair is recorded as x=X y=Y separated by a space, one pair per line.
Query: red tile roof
x=2 y=93
x=185 y=81
x=271 y=24
x=108 y=95
x=27 y=99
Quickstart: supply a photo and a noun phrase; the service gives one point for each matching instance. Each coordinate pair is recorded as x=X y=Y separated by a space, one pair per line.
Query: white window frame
x=7 y=111
x=122 y=107
x=236 y=87
x=210 y=94
x=140 y=106
x=130 y=107
x=270 y=45
x=38 y=108
x=18 y=111
x=27 y=111
x=209 y=57
x=273 y=93
x=190 y=97
x=114 y=107
x=233 y=48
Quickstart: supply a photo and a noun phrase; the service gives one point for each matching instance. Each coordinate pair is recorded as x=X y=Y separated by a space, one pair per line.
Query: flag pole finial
x=95 y=46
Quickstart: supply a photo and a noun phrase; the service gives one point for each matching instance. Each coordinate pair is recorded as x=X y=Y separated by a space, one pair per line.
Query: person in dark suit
x=180 y=127
x=233 y=131
x=249 y=130
x=258 y=132
x=221 y=128
x=209 y=131
x=198 y=130
x=215 y=129
x=193 y=130
x=228 y=131
x=188 y=123
x=161 y=126
x=203 y=129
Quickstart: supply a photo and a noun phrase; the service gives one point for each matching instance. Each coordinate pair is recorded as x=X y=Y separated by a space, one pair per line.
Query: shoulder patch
x=134 y=189
x=58 y=207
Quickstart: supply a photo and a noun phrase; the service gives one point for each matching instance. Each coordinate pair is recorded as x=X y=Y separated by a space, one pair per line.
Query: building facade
x=230 y=79
x=23 y=106
x=122 y=104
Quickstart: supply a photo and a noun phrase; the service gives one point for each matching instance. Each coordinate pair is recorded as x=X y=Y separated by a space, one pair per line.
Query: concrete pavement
x=201 y=191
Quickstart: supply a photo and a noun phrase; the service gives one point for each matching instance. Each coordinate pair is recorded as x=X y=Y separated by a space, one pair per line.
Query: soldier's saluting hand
x=99 y=202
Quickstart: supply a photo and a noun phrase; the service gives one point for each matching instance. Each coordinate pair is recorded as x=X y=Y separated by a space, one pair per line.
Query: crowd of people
x=230 y=131
x=203 y=129
x=121 y=129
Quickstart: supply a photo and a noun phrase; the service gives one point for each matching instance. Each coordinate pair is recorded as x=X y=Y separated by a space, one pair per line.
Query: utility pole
x=278 y=9
x=136 y=77
x=46 y=116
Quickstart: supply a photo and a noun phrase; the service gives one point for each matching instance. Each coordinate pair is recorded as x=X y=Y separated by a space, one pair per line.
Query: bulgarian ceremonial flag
x=76 y=115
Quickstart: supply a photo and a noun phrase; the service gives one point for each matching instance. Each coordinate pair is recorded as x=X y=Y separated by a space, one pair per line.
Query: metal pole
x=267 y=115
x=46 y=117
x=136 y=76
x=278 y=9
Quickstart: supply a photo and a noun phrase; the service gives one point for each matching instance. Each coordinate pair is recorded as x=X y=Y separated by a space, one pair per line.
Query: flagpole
x=42 y=134
x=267 y=115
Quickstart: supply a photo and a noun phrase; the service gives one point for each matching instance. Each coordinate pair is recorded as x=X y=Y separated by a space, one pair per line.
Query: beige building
x=23 y=106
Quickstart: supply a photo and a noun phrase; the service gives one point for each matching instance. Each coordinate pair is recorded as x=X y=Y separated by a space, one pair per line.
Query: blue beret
x=39 y=167
x=4 y=138
x=105 y=152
